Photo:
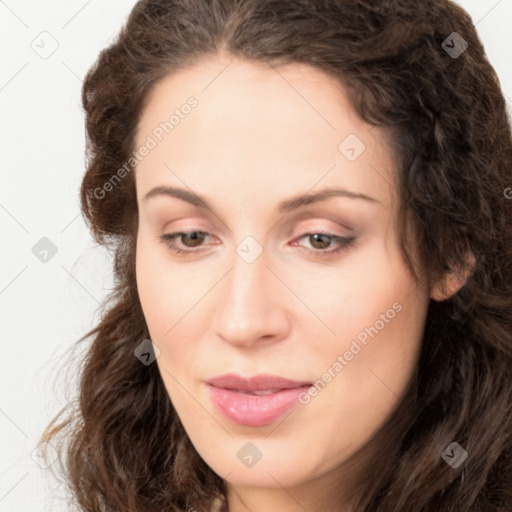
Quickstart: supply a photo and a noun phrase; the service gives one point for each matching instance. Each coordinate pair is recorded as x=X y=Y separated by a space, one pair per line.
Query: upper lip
x=255 y=383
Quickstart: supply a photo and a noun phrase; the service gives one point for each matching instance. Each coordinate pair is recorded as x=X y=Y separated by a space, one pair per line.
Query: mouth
x=255 y=401
x=257 y=393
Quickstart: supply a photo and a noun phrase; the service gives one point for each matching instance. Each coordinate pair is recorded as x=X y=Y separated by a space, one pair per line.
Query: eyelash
x=345 y=243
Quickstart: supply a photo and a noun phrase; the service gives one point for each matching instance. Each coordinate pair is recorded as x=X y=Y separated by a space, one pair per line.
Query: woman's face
x=260 y=293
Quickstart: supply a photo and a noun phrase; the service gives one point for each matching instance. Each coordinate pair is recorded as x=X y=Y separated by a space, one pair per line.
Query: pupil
x=193 y=236
x=325 y=244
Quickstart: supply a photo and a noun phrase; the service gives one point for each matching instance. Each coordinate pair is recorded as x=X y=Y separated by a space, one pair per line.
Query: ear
x=453 y=280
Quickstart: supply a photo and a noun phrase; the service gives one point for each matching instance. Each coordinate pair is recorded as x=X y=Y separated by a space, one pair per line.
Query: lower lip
x=254 y=410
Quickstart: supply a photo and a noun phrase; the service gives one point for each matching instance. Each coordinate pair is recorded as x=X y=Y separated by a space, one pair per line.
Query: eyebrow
x=285 y=206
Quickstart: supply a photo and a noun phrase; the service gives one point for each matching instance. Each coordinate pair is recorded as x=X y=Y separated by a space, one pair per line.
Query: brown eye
x=318 y=242
x=195 y=237
x=321 y=241
x=189 y=239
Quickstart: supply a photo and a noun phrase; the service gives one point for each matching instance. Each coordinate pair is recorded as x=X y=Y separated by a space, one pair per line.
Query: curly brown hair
x=124 y=446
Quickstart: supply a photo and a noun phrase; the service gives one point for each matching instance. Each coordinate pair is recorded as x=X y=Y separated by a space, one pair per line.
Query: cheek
x=369 y=282
x=171 y=297
x=360 y=383
x=165 y=290
x=151 y=285
x=378 y=315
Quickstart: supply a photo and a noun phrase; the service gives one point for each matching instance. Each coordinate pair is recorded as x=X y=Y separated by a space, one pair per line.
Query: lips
x=257 y=383
x=254 y=401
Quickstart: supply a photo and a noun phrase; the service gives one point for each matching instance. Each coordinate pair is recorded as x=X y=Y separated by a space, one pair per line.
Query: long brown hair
x=123 y=444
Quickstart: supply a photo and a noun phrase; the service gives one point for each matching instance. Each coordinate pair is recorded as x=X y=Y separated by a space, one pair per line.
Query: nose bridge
x=248 y=308
x=248 y=278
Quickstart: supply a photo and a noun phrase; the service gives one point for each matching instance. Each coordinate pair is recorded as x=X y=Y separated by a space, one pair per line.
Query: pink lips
x=235 y=397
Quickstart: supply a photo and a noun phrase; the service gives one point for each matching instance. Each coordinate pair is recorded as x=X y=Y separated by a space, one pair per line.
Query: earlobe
x=452 y=281
x=447 y=286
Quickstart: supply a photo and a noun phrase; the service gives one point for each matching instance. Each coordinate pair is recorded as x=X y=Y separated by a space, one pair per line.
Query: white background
x=46 y=307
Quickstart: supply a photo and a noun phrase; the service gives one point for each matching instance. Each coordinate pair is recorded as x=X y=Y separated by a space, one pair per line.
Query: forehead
x=258 y=125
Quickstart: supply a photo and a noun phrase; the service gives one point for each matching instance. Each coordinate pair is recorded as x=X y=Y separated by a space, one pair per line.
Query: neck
x=315 y=496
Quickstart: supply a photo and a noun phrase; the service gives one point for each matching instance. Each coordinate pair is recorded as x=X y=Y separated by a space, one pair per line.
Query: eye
x=196 y=237
x=321 y=240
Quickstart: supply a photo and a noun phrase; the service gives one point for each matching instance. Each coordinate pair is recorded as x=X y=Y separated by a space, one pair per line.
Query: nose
x=252 y=304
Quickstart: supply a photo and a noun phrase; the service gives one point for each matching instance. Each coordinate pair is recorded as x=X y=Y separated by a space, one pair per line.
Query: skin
x=258 y=136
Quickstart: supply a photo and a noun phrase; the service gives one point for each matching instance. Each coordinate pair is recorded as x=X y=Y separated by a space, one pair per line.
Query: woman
x=307 y=202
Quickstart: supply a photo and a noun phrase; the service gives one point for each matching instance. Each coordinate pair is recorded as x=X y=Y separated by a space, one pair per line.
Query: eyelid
x=344 y=243
x=316 y=225
x=319 y=226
